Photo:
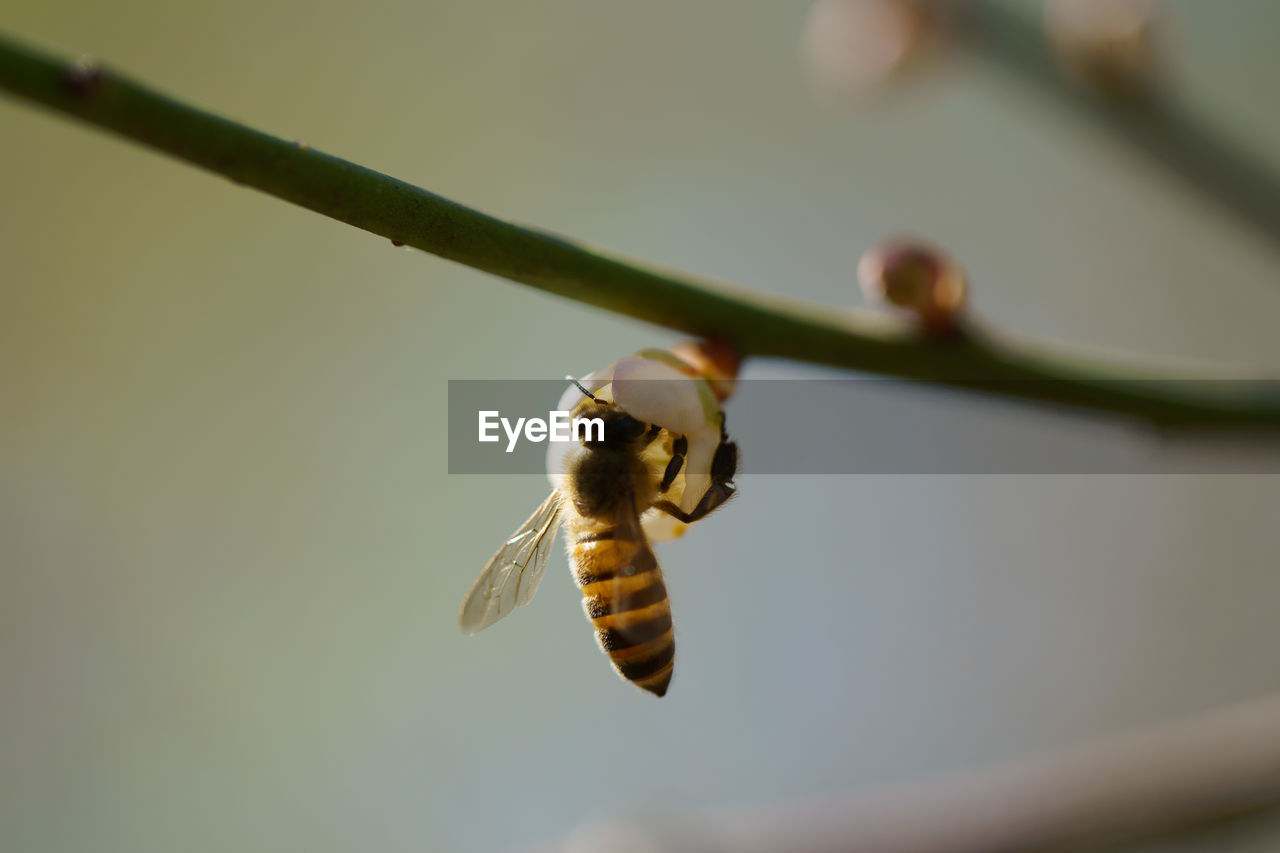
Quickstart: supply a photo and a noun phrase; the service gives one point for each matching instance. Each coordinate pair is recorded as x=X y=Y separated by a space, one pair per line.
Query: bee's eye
x=627 y=428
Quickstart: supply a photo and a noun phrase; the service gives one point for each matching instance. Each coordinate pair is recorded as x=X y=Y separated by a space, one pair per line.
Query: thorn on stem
x=83 y=75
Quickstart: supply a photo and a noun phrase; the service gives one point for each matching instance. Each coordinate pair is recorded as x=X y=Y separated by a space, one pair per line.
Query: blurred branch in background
x=753 y=322
x=1167 y=780
x=1105 y=63
x=1110 y=63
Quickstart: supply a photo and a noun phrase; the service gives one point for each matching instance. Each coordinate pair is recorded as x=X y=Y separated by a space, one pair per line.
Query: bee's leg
x=723 y=468
x=715 y=496
x=678 y=450
x=652 y=435
x=674 y=511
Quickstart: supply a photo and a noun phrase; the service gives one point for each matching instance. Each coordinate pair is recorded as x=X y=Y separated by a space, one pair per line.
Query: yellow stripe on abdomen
x=626 y=600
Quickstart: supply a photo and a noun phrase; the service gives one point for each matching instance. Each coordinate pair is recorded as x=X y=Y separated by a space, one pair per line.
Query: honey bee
x=638 y=469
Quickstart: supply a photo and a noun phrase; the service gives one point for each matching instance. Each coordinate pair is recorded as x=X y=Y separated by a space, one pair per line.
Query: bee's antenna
x=589 y=395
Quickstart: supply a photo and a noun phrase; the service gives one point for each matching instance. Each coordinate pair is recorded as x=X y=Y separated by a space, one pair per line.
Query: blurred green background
x=231 y=556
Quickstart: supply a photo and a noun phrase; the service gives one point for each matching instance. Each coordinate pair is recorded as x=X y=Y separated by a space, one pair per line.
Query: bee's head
x=620 y=428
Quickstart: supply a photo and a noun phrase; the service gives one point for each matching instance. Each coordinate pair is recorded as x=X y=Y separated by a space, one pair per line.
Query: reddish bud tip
x=714 y=360
x=915 y=279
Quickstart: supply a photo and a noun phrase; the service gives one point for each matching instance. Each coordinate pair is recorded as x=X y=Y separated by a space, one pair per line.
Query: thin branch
x=1181 y=777
x=1159 y=128
x=756 y=323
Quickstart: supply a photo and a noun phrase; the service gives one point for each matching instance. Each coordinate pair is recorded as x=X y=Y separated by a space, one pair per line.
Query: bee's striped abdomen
x=626 y=601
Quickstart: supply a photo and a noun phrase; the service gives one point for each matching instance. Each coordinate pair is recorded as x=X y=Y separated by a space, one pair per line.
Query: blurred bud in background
x=1118 y=48
x=915 y=279
x=853 y=47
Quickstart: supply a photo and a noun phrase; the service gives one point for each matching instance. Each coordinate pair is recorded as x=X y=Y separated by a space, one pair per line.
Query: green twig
x=757 y=324
x=1158 y=127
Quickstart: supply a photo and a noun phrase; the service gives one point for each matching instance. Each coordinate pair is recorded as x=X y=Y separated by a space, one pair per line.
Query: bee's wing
x=511 y=577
